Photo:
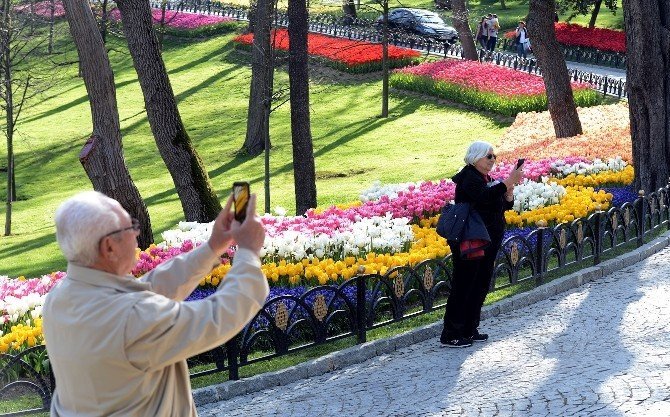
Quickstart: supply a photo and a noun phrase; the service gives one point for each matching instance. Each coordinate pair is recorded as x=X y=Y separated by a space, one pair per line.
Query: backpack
x=518 y=37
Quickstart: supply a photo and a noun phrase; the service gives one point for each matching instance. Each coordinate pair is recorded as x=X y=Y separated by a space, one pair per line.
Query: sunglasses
x=491 y=156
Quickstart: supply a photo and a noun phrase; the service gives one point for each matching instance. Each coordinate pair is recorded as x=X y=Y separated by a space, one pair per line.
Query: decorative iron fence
x=609 y=86
x=580 y=54
x=287 y=324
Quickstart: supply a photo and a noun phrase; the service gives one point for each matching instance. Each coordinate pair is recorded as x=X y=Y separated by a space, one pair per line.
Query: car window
x=407 y=17
x=431 y=19
x=395 y=16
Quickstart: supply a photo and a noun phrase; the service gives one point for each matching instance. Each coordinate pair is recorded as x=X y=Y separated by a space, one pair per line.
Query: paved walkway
x=609 y=71
x=600 y=350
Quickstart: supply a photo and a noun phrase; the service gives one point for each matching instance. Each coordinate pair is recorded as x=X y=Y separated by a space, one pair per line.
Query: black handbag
x=457 y=222
x=447 y=221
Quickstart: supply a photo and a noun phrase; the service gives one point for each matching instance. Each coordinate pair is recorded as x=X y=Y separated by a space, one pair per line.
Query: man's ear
x=106 y=249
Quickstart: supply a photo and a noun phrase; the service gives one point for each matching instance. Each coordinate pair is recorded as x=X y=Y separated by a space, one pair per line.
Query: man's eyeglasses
x=135 y=225
x=491 y=156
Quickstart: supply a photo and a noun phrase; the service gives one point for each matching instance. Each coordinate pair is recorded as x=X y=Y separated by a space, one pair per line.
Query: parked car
x=421 y=22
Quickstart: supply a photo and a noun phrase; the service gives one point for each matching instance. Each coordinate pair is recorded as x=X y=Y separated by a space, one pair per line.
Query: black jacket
x=489 y=201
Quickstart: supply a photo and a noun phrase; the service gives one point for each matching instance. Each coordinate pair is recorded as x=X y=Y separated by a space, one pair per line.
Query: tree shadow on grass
x=8 y=251
x=181 y=96
x=25 y=245
x=191 y=64
x=36 y=165
x=499 y=120
x=32 y=269
x=168 y=224
x=83 y=99
x=361 y=127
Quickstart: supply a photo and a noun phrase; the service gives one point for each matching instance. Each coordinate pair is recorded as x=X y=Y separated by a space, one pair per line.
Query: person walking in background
x=521 y=39
x=471 y=278
x=493 y=28
x=482 y=33
x=118 y=344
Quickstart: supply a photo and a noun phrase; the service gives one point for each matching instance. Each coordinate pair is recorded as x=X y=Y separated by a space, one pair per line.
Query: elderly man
x=117 y=344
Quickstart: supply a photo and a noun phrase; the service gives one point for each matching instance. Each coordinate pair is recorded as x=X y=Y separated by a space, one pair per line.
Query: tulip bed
x=596 y=38
x=342 y=54
x=21 y=302
x=484 y=86
x=391 y=224
x=606 y=134
x=187 y=24
x=176 y=23
x=570 y=34
x=42 y=9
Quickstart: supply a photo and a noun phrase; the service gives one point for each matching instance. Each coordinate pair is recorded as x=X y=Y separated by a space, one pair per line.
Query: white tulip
x=280 y=211
x=531 y=195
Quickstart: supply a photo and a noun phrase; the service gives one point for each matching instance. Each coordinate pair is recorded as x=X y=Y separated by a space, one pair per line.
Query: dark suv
x=421 y=22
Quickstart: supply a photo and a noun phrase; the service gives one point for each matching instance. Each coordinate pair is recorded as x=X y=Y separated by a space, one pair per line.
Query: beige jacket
x=118 y=345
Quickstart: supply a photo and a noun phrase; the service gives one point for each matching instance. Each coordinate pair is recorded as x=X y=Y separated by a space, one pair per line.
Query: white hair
x=81 y=221
x=476 y=151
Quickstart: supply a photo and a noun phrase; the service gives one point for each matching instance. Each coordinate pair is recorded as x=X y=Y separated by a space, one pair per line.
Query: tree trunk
x=161 y=25
x=251 y=16
x=52 y=11
x=104 y=21
x=555 y=74
x=385 y=59
x=105 y=167
x=262 y=72
x=594 y=13
x=9 y=110
x=304 y=175
x=503 y=5
x=460 y=19
x=33 y=17
x=198 y=200
x=647 y=24
x=349 y=11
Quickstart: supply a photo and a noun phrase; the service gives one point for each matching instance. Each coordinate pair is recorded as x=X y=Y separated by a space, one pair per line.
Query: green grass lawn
x=421 y=140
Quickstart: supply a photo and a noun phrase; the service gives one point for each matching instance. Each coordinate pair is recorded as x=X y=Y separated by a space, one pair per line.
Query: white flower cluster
x=377 y=190
x=561 y=169
x=15 y=307
x=193 y=231
x=378 y=234
x=530 y=195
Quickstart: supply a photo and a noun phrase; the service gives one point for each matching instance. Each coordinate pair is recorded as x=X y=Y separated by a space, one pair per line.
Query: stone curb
x=360 y=353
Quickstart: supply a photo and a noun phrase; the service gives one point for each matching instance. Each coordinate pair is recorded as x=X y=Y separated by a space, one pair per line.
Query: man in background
x=493 y=28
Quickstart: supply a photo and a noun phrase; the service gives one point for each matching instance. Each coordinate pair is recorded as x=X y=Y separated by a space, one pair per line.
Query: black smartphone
x=520 y=162
x=240 y=199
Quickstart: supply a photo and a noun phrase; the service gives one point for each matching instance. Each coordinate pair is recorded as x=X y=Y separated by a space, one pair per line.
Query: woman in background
x=482 y=32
